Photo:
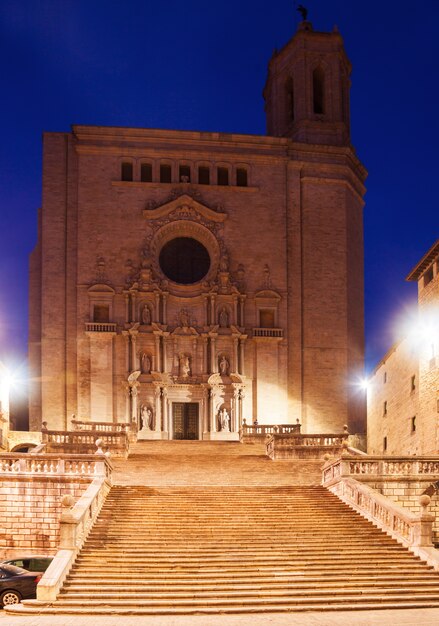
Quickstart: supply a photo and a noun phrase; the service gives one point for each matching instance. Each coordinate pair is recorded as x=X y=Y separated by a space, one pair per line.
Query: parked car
x=31 y=563
x=16 y=584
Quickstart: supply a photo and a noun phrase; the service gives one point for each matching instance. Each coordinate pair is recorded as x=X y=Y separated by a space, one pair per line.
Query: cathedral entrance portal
x=185 y=420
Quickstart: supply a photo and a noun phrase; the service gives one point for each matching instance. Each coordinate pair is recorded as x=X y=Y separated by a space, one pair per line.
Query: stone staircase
x=265 y=540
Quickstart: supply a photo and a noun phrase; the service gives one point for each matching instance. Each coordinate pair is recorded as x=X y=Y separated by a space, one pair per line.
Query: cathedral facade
x=188 y=281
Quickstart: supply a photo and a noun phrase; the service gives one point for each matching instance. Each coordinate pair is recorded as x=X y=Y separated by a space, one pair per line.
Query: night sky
x=200 y=65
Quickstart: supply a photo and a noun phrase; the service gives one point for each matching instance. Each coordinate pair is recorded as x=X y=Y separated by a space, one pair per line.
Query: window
x=385 y=377
x=385 y=444
x=318 y=86
x=413 y=424
x=241 y=177
x=289 y=89
x=223 y=176
x=127 y=171
x=428 y=276
x=146 y=173
x=203 y=175
x=412 y=383
x=165 y=173
x=266 y=318
x=184 y=174
x=385 y=407
x=101 y=313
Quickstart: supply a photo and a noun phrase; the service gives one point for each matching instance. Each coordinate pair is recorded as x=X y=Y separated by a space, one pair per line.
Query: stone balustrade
x=297 y=446
x=102 y=426
x=257 y=433
x=381 y=467
x=100 y=327
x=268 y=333
x=411 y=529
x=77 y=519
x=54 y=464
x=84 y=442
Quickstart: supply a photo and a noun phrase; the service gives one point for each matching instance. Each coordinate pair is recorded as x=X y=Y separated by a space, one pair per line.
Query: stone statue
x=146 y=417
x=224 y=263
x=145 y=362
x=184 y=318
x=303 y=12
x=146 y=315
x=224 y=419
x=185 y=367
x=223 y=366
x=223 y=318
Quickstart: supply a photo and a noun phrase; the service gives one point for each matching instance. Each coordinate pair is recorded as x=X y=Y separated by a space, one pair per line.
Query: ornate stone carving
x=145 y=363
x=224 y=420
x=184 y=365
x=223 y=318
x=145 y=315
x=223 y=366
x=146 y=417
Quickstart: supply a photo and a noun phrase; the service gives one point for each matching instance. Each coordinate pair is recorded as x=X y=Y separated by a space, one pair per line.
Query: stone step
x=28 y=608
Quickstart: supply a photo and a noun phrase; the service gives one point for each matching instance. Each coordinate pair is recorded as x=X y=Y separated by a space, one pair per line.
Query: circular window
x=184 y=260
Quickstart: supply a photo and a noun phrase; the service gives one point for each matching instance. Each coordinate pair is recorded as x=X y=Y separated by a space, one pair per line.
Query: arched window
x=318 y=87
x=289 y=93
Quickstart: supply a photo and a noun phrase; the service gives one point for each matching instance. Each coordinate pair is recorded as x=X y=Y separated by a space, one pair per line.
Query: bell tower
x=307 y=89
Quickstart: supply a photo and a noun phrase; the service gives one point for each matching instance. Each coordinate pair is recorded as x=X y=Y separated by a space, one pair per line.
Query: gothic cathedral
x=187 y=281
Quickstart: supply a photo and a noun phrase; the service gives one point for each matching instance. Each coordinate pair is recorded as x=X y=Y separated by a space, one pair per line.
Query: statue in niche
x=146 y=315
x=224 y=420
x=223 y=366
x=146 y=417
x=184 y=319
x=224 y=263
x=145 y=363
x=267 y=277
x=185 y=366
x=223 y=318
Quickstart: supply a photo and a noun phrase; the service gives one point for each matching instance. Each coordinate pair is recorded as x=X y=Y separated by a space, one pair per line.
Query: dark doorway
x=185 y=419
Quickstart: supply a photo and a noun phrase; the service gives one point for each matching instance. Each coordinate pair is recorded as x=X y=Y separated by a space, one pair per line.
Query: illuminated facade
x=190 y=280
x=403 y=394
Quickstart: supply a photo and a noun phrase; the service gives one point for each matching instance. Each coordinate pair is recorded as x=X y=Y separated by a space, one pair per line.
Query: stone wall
x=30 y=511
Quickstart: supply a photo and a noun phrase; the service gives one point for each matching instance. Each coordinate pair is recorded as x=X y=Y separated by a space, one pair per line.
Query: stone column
x=133 y=308
x=212 y=311
x=157 y=354
x=241 y=310
x=165 y=409
x=235 y=310
x=134 y=404
x=213 y=363
x=165 y=360
x=158 y=413
x=157 y=308
x=205 y=355
x=241 y=356
x=206 y=310
x=213 y=428
x=235 y=355
x=165 y=309
x=134 y=364
x=127 y=308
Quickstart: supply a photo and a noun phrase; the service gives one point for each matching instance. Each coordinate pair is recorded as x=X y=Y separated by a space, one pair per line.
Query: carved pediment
x=184 y=207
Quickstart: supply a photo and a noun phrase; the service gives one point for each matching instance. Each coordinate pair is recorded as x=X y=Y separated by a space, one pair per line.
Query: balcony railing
x=268 y=333
x=100 y=327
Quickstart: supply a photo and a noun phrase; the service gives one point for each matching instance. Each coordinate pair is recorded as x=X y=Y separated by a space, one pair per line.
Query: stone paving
x=408 y=617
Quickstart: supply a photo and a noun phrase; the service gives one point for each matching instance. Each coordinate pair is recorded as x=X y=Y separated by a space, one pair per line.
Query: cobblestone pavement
x=408 y=617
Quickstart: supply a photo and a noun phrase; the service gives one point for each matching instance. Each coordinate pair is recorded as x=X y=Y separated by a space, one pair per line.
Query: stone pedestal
x=147 y=435
x=221 y=436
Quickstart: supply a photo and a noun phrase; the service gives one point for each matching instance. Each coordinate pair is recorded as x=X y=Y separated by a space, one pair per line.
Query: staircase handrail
x=410 y=529
x=12 y=463
x=77 y=519
x=82 y=425
x=375 y=466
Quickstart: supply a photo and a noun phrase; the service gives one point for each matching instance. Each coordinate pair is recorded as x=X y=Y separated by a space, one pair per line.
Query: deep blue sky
x=201 y=65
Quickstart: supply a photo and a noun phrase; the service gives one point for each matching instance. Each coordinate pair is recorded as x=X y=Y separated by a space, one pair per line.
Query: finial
x=303 y=12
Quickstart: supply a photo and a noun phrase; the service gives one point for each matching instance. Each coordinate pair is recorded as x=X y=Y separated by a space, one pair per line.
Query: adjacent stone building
x=189 y=280
x=403 y=394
